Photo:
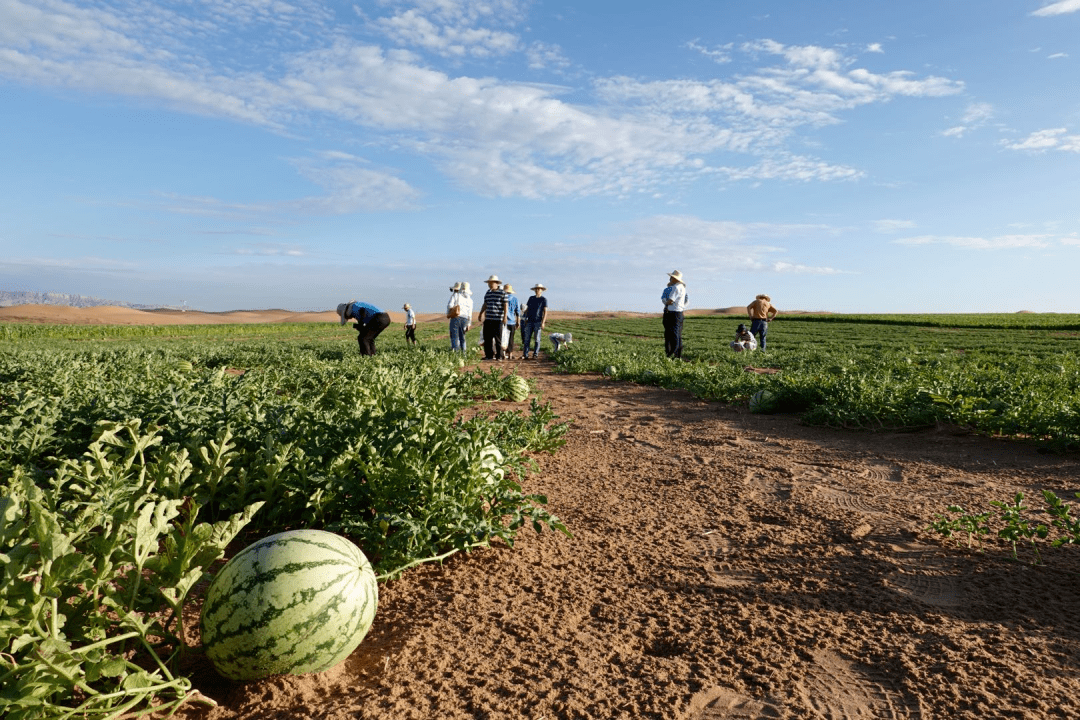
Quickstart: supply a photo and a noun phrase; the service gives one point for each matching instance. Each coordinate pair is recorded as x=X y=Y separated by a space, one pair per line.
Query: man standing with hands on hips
x=760 y=313
x=674 y=298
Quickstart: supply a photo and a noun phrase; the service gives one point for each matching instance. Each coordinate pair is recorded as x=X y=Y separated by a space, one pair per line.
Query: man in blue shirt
x=532 y=322
x=370 y=321
x=513 y=312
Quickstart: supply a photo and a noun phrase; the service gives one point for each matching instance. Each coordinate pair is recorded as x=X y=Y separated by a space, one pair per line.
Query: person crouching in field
x=744 y=339
x=370 y=321
x=410 y=324
x=760 y=313
x=560 y=339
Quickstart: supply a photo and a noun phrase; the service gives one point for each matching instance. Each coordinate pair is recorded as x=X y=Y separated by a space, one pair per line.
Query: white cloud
x=494 y=137
x=889 y=226
x=455 y=28
x=710 y=247
x=999 y=242
x=720 y=54
x=1043 y=140
x=874 y=48
x=1057 y=56
x=976 y=115
x=1058 y=8
x=544 y=56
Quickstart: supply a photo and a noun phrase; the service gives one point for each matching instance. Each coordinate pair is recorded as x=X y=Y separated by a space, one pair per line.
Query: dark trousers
x=493 y=339
x=761 y=329
x=673 y=334
x=410 y=334
x=366 y=333
x=510 y=340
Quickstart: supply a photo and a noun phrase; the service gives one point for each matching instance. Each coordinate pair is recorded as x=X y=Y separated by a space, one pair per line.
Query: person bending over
x=370 y=321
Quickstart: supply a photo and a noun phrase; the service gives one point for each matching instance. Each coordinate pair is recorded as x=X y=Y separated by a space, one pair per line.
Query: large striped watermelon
x=295 y=602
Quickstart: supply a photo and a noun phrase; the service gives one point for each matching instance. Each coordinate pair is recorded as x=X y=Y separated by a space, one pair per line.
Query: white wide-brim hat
x=455 y=287
x=493 y=278
x=676 y=276
x=465 y=287
x=538 y=286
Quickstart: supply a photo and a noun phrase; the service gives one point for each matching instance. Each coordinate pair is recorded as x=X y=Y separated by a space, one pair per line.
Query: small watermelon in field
x=518 y=388
x=610 y=370
x=296 y=602
x=184 y=365
x=762 y=401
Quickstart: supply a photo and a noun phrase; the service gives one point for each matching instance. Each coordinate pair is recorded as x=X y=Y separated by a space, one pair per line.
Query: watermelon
x=518 y=388
x=610 y=370
x=184 y=365
x=296 y=602
x=762 y=401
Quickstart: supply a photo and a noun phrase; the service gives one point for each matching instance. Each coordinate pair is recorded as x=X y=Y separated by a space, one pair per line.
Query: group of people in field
x=501 y=314
x=760 y=312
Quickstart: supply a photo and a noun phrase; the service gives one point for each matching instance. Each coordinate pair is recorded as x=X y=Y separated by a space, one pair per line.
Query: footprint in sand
x=766 y=488
x=837 y=688
x=853 y=502
x=883 y=471
x=724 y=704
x=710 y=550
x=923 y=575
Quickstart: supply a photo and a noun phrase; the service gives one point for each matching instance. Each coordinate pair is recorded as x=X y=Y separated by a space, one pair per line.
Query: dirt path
x=724 y=565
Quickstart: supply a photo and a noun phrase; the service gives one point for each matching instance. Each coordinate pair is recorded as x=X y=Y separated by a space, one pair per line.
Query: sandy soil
x=723 y=565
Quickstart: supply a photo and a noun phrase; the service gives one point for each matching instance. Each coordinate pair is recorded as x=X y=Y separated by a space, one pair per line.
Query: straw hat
x=676 y=276
x=464 y=287
x=538 y=286
x=493 y=279
x=455 y=287
x=764 y=297
x=406 y=306
x=508 y=288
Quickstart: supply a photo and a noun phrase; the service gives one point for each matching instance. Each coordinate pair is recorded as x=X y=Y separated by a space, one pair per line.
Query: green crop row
x=127 y=466
x=1023 y=383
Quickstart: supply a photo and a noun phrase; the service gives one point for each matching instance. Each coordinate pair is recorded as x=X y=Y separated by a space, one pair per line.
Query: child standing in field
x=410 y=324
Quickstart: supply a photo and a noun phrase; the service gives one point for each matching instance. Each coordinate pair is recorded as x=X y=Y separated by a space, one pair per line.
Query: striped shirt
x=494 y=304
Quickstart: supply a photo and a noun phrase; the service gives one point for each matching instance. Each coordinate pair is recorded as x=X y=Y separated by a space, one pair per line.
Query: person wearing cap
x=532 y=322
x=370 y=321
x=410 y=324
x=760 y=313
x=459 y=311
x=513 y=316
x=493 y=316
x=674 y=298
x=744 y=340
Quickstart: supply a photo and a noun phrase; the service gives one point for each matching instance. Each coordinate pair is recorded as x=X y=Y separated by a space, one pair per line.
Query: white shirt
x=677 y=294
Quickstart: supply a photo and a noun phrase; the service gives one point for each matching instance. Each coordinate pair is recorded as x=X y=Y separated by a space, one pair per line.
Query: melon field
x=891 y=535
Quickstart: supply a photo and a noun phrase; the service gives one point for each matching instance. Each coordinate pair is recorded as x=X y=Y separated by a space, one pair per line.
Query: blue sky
x=848 y=156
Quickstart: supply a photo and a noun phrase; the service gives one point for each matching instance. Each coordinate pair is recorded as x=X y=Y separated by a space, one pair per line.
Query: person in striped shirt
x=493 y=317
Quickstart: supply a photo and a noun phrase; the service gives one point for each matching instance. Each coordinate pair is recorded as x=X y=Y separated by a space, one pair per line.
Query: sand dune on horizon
x=111 y=315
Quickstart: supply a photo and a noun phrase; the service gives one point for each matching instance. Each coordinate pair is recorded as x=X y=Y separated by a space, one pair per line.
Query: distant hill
x=9 y=298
